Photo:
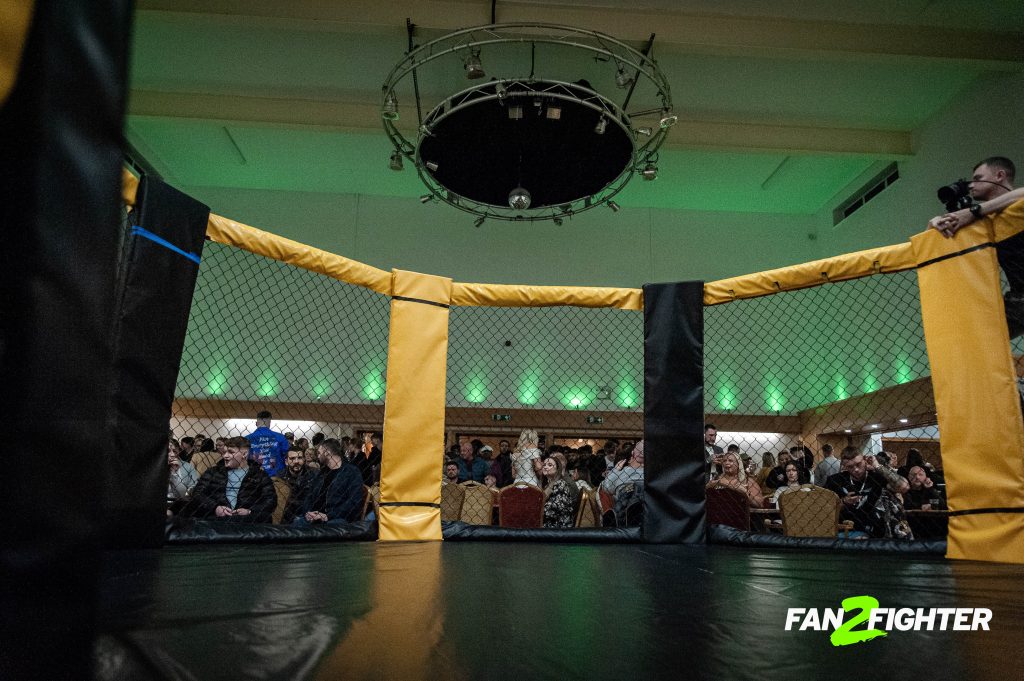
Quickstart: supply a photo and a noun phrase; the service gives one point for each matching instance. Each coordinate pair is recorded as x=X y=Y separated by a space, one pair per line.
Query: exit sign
x=595 y=419
x=501 y=417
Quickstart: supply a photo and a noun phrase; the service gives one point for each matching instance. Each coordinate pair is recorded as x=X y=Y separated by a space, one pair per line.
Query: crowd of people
x=563 y=473
x=874 y=490
x=321 y=480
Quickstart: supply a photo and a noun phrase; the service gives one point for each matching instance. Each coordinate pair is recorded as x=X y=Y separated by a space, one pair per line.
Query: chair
x=284 y=495
x=812 y=512
x=588 y=514
x=606 y=505
x=521 y=505
x=452 y=497
x=728 y=507
x=477 y=505
x=375 y=498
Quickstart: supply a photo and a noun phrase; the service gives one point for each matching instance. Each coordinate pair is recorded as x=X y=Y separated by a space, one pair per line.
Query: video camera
x=956 y=196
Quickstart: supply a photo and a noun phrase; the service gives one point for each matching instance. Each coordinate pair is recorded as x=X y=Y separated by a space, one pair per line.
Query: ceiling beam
x=677 y=31
x=364 y=117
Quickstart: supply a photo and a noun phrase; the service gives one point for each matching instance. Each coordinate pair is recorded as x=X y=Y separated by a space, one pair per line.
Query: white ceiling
x=782 y=104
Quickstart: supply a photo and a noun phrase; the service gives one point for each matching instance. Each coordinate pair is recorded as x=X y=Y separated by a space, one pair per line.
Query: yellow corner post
x=976 y=396
x=410 y=480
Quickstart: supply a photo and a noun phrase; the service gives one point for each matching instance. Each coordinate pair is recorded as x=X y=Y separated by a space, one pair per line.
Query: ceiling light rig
x=540 y=141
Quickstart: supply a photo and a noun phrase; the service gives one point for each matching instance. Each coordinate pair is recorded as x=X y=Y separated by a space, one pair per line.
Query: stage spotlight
x=557 y=221
x=602 y=125
x=519 y=199
x=668 y=120
x=390 y=110
x=474 y=69
x=396 y=160
x=501 y=91
x=431 y=166
x=614 y=206
x=426 y=198
x=650 y=172
x=646 y=132
x=479 y=221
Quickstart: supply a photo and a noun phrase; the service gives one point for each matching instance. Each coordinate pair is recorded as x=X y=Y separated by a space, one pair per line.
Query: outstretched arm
x=950 y=223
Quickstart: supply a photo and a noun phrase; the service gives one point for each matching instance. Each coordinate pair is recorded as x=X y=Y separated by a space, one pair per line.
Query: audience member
x=234 y=491
x=793 y=483
x=767 y=464
x=526 y=458
x=734 y=477
x=368 y=459
x=827 y=467
x=626 y=472
x=501 y=466
x=451 y=473
x=298 y=477
x=182 y=476
x=336 y=494
x=491 y=482
x=777 y=476
x=471 y=466
x=860 y=486
x=923 y=494
x=712 y=452
x=559 y=499
x=187 y=448
x=268 y=447
x=803 y=457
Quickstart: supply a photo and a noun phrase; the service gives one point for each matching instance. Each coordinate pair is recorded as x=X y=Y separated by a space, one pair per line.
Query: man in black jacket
x=336 y=494
x=235 y=491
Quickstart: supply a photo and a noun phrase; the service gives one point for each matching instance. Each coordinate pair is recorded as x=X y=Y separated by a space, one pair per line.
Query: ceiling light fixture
x=503 y=124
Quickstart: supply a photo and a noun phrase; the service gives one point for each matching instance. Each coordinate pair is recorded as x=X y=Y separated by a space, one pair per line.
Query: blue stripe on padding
x=146 y=234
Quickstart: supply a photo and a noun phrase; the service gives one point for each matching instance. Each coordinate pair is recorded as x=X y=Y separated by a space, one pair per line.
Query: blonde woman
x=734 y=477
x=526 y=458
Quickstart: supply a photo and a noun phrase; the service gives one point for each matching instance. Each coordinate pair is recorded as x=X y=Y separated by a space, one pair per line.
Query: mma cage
x=902 y=350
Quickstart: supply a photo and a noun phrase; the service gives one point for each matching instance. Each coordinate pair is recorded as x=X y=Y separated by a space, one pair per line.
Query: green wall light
x=476 y=388
x=626 y=396
x=529 y=388
x=373 y=384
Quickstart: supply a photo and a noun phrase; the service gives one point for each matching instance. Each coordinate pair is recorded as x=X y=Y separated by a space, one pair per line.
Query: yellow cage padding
x=975 y=389
x=511 y=295
x=414 y=407
x=15 y=17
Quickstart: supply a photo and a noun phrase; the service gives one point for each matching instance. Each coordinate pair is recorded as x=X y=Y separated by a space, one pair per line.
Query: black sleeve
x=346 y=499
x=203 y=503
x=266 y=499
x=835 y=483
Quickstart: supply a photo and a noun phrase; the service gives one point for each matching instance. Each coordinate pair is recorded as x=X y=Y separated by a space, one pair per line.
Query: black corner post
x=60 y=193
x=674 y=413
x=156 y=279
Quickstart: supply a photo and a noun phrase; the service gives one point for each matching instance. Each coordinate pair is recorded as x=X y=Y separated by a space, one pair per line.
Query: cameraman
x=991 y=186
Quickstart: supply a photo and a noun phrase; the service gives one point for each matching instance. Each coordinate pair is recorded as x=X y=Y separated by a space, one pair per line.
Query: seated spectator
x=625 y=482
x=235 y=491
x=860 y=486
x=491 y=482
x=183 y=476
x=793 y=483
x=451 y=473
x=298 y=477
x=767 y=464
x=777 y=476
x=559 y=496
x=187 y=449
x=914 y=458
x=471 y=466
x=580 y=474
x=734 y=477
x=923 y=494
x=336 y=494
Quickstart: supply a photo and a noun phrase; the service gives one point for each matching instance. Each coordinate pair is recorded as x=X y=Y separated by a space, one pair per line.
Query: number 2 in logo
x=845 y=635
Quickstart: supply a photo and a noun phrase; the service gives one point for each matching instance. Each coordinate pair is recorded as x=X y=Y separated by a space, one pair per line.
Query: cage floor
x=524 y=611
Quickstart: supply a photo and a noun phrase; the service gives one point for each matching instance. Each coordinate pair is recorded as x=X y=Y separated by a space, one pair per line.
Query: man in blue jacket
x=336 y=494
x=267 y=447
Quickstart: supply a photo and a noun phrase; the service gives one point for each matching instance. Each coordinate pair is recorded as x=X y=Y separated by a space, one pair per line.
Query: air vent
x=872 y=188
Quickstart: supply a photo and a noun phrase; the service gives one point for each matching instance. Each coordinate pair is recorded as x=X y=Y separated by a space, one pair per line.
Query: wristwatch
x=976 y=210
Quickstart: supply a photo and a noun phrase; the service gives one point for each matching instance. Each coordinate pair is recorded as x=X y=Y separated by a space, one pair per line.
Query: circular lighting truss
x=526 y=147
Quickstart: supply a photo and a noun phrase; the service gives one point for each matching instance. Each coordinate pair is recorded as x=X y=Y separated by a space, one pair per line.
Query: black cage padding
x=157 y=276
x=730 y=536
x=674 y=413
x=196 y=531
x=460 y=531
x=60 y=181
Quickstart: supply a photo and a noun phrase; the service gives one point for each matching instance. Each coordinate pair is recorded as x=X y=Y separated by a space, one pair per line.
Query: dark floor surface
x=489 y=610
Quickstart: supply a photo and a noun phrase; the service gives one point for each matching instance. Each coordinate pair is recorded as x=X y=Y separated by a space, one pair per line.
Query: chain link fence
x=293 y=362
x=543 y=409
x=820 y=414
